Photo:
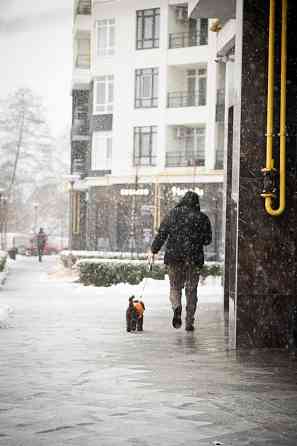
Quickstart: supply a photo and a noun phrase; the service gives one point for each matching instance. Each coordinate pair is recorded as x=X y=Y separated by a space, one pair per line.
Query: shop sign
x=143 y=192
x=180 y=191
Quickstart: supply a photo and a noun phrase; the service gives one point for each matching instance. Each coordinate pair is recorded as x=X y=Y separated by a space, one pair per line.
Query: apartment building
x=148 y=120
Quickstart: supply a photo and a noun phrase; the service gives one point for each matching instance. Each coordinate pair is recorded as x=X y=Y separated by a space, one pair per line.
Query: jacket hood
x=190 y=200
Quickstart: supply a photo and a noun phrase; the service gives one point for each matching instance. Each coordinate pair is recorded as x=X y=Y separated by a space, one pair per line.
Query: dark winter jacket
x=186 y=230
x=41 y=239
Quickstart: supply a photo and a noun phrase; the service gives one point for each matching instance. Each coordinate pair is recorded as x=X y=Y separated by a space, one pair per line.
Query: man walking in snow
x=41 y=239
x=186 y=230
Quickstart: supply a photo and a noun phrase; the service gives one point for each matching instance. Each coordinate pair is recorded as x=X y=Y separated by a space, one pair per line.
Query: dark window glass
x=145 y=146
x=146 y=88
x=148 y=28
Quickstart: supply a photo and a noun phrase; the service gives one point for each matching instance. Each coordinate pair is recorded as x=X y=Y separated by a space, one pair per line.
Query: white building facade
x=148 y=120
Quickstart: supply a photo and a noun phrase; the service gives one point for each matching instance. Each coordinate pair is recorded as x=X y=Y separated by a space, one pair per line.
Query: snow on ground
x=209 y=291
x=5 y=315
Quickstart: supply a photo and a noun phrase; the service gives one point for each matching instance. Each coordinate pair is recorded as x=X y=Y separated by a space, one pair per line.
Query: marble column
x=261 y=264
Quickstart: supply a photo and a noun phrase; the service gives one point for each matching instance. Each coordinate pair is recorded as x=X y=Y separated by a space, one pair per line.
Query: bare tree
x=31 y=161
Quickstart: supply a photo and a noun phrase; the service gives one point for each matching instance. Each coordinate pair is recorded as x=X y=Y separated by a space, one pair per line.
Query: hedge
x=3 y=258
x=75 y=256
x=105 y=273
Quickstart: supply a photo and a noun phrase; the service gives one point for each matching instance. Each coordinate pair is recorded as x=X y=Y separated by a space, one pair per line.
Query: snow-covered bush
x=107 y=272
x=3 y=258
x=74 y=256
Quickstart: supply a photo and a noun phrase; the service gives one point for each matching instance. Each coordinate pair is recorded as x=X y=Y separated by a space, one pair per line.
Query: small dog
x=134 y=315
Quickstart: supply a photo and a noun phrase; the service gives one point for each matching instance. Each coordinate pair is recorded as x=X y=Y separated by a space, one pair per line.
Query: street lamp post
x=1 y=215
x=71 y=180
x=35 y=205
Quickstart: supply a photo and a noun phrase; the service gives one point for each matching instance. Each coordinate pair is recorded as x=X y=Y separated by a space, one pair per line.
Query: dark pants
x=184 y=276
x=40 y=254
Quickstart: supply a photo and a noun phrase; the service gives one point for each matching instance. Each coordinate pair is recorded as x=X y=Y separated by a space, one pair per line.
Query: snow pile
x=5 y=315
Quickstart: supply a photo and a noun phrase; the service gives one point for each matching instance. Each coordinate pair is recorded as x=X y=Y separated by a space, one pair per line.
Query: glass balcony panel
x=185 y=99
x=184 y=159
x=187 y=39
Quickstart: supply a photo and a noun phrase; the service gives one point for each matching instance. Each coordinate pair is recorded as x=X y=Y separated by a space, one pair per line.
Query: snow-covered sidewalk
x=71 y=375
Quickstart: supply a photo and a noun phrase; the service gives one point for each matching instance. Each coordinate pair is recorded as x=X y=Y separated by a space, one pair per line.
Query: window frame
x=152 y=154
x=106 y=160
x=198 y=76
x=107 y=106
x=155 y=39
x=139 y=101
x=108 y=50
x=193 y=152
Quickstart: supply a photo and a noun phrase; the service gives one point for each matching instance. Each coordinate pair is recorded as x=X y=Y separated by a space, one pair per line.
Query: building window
x=146 y=88
x=148 y=29
x=145 y=142
x=105 y=37
x=103 y=95
x=102 y=151
x=196 y=82
x=189 y=147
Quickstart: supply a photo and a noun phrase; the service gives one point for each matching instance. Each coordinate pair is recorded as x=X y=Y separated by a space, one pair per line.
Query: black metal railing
x=84 y=7
x=187 y=39
x=184 y=159
x=186 y=99
x=79 y=166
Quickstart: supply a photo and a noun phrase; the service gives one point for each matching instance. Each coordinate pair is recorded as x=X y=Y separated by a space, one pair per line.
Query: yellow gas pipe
x=270 y=111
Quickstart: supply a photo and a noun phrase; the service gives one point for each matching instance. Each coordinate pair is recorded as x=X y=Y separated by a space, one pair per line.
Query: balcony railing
x=79 y=166
x=184 y=159
x=187 y=39
x=145 y=161
x=84 y=7
x=186 y=99
x=83 y=61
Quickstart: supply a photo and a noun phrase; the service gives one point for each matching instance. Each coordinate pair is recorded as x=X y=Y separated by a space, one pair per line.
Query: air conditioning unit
x=181 y=14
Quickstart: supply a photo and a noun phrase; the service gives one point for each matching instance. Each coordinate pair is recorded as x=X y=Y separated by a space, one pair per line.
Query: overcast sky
x=36 y=49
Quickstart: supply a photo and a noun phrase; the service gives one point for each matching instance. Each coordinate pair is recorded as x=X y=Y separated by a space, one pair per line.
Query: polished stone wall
x=262 y=256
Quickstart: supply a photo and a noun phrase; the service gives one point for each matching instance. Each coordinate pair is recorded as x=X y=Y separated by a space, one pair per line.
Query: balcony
x=145 y=161
x=223 y=9
x=79 y=166
x=83 y=61
x=184 y=159
x=84 y=7
x=187 y=39
x=185 y=99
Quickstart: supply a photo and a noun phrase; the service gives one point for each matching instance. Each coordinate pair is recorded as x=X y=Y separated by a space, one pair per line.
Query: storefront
x=124 y=217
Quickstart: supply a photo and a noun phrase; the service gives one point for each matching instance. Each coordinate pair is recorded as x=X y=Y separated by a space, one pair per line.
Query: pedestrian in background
x=186 y=230
x=41 y=240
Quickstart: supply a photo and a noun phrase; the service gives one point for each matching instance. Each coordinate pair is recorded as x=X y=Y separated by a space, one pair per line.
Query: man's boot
x=177 y=321
x=190 y=324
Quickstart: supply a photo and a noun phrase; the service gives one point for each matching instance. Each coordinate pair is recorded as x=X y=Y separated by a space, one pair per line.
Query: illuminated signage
x=143 y=192
x=180 y=192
